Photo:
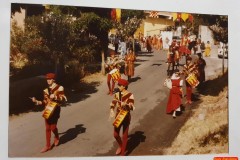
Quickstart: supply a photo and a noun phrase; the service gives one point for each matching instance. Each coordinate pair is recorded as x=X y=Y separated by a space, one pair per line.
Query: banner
x=185 y=16
x=118 y=14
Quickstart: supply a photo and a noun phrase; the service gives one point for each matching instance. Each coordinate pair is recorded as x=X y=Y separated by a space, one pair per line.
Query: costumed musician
x=123 y=102
x=189 y=68
x=53 y=97
x=111 y=65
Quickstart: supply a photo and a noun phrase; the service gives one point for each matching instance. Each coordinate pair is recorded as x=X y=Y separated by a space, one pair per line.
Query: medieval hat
x=50 y=76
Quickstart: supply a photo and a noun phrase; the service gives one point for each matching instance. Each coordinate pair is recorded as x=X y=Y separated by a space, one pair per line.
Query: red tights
x=189 y=93
x=122 y=142
x=49 y=128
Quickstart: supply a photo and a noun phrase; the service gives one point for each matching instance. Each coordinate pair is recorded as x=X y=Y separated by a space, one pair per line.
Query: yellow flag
x=118 y=14
x=185 y=16
x=174 y=15
x=47 y=6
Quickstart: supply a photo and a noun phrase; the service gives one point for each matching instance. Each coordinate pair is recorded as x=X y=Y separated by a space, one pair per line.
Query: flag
x=153 y=14
x=174 y=15
x=190 y=18
x=118 y=14
x=113 y=14
x=185 y=16
x=179 y=16
x=47 y=6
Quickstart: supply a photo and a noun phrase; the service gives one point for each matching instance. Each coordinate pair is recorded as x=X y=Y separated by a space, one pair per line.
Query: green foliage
x=126 y=14
x=220 y=29
x=129 y=23
x=56 y=37
x=217 y=23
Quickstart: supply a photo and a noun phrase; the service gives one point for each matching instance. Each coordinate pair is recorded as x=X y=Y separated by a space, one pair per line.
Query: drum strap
x=51 y=91
x=120 y=96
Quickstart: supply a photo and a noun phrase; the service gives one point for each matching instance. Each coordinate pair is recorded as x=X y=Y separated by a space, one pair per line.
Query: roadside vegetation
x=206 y=131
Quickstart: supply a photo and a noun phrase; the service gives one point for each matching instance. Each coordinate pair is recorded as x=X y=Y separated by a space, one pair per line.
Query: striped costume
x=123 y=101
x=51 y=123
x=111 y=64
x=187 y=69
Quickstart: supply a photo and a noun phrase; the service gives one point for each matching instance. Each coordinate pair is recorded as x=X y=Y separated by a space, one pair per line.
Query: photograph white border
x=220 y=7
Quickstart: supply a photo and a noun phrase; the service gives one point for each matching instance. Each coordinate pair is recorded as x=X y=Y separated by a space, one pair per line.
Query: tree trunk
x=103 y=64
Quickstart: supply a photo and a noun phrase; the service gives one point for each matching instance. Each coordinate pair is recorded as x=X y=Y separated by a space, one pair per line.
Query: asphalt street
x=85 y=128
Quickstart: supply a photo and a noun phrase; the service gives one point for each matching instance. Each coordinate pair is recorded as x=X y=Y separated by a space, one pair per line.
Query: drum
x=120 y=117
x=192 y=80
x=115 y=74
x=49 y=109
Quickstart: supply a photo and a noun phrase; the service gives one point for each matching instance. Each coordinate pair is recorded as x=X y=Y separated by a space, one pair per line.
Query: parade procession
x=125 y=88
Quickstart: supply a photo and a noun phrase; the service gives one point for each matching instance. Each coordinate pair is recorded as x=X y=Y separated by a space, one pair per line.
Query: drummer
x=111 y=63
x=53 y=93
x=123 y=101
x=189 y=68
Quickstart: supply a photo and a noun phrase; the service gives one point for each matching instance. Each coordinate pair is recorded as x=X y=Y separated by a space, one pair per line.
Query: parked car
x=222 y=48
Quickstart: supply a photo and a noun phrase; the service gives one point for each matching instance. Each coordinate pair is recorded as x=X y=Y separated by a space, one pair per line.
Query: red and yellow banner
x=183 y=16
x=118 y=14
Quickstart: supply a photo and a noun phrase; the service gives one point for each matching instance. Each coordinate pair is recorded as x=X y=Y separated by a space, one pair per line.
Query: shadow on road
x=156 y=64
x=144 y=55
x=144 y=52
x=134 y=79
x=81 y=91
x=20 y=92
x=71 y=133
x=141 y=60
x=134 y=140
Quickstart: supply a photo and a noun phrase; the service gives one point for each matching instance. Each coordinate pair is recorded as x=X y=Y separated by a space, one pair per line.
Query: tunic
x=129 y=68
x=175 y=96
x=201 y=63
x=58 y=91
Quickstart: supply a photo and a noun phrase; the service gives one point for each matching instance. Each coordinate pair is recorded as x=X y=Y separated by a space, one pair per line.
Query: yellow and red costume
x=51 y=116
x=189 y=69
x=122 y=101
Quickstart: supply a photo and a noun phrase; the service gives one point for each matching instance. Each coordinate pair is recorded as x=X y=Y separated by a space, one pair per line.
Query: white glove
x=34 y=100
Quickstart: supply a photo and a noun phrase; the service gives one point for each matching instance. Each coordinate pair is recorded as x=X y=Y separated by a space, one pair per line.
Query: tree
x=61 y=36
x=220 y=29
x=218 y=24
x=130 y=22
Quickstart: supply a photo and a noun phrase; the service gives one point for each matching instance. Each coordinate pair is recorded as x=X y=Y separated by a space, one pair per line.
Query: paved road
x=85 y=129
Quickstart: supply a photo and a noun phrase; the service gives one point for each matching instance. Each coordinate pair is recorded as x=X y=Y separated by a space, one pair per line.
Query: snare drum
x=115 y=74
x=192 y=80
x=49 y=109
x=120 y=117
